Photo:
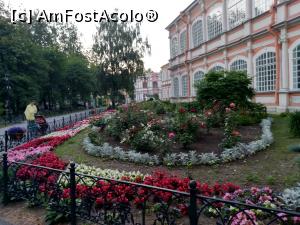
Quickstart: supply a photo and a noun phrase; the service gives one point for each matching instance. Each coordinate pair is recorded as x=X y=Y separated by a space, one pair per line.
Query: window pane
x=214 y=23
x=236 y=12
x=266 y=72
x=197 y=33
x=183 y=41
x=239 y=65
x=184 y=86
x=296 y=67
x=262 y=6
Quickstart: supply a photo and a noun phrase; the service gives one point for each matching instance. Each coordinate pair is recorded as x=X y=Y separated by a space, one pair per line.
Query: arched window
x=176 y=87
x=214 y=23
x=296 y=67
x=266 y=72
x=262 y=6
x=199 y=75
x=184 y=81
x=217 y=69
x=239 y=65
x=236 y=12
x=183 y=41
x=197 y=33
x=174 y=47
x=154 y=84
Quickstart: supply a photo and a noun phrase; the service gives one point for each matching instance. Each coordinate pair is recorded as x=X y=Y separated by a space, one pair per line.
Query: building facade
x=147 y=87
x=261 y=37
x=165 y=91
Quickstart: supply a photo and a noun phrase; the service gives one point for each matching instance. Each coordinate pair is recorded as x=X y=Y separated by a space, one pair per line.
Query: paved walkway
x=49 y=119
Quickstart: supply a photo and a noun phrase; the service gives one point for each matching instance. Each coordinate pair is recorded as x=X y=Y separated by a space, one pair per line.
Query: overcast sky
x=156 y=33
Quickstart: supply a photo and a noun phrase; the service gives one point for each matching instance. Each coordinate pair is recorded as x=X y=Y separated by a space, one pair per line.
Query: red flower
x=193 y=110
x=182 y=110
x=236 y=133
x=232 y=105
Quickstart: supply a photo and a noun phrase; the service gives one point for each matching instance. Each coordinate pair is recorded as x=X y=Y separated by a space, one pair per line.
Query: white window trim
x=187 y=83
x=193 y=80
x=227 y=19
x=238 y=57
x=179 y=41
x=214 y=7
x=253 y=10
x=173 y=86
x=214 y=65
x=291 y=71
x=258 y=54
x=191 y=31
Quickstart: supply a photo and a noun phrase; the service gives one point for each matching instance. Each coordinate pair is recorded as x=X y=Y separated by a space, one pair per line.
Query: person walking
x=30 y=112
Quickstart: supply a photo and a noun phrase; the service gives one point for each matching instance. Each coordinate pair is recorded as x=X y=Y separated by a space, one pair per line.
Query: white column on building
x=250 y=63
x=284 y=78
x=226 y=61
x=225 y=15
x=285 y=61
x=249 y=9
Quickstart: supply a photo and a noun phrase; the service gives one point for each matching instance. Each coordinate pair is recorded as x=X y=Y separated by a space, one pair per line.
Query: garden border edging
x=239 y=151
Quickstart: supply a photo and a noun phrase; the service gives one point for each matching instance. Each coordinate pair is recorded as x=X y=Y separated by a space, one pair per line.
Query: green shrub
x=294 y=148
x=294 y=123
x=225 y=87
x=96 y=138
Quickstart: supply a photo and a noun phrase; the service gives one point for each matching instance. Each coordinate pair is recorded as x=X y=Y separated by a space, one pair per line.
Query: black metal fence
x=7 y=141
x=115 y=202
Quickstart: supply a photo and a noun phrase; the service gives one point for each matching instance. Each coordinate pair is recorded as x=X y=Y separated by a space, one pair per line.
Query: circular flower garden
x=156 y=133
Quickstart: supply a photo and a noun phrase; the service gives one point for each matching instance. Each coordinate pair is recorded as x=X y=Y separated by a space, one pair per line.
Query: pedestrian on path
x=30 y=112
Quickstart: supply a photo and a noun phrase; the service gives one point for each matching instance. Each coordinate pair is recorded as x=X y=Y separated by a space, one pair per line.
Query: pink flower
x=232 y=105
x=296 y=220
x=228 y=110
x=171 y=135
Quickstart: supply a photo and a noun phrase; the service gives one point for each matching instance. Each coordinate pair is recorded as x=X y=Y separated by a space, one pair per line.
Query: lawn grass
x=275 y=167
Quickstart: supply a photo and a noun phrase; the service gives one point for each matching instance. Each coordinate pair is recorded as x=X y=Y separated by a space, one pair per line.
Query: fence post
x=5 y=178
x=63 y=121
x=85 y=115
x=75 y=117
x=6 y=141
x=193 y=203
x=81 y=115
x=70 y=120
x=73 y=193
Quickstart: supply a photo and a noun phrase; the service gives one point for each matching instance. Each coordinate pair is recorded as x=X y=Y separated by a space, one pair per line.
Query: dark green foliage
x=53 y=217
x=96 y=138
x=295 y=124
x=43 y=62
x=118 y=50
x=224 y=87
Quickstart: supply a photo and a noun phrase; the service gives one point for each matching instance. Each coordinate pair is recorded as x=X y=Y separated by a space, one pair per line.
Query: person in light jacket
x=30 y=112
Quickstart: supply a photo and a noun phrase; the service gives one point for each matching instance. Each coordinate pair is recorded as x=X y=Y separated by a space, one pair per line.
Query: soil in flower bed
x=206 y=143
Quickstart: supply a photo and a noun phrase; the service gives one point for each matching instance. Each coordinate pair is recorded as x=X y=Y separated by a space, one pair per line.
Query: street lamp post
x=7 y=98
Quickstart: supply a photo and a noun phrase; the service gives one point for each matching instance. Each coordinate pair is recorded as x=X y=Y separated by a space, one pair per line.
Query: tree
x=118 y=49
x=225 y=87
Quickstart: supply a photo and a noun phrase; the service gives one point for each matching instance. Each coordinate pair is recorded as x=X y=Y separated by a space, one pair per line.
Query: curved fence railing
x=10 y=141
x=120 y=202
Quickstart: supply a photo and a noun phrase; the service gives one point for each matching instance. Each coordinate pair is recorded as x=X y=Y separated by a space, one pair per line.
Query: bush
x=96 y=138
x=294 y=124
x=225 y=87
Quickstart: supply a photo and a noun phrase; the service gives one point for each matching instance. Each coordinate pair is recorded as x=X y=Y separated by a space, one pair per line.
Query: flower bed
x=48 y=142
x=191 y=158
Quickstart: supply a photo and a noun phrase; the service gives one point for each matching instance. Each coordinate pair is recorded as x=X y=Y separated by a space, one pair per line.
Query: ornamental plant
x=225 y=87
x=186 y=127
x=231 y=135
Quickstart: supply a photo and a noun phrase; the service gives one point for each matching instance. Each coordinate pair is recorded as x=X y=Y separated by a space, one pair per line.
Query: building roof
x=179 y=16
